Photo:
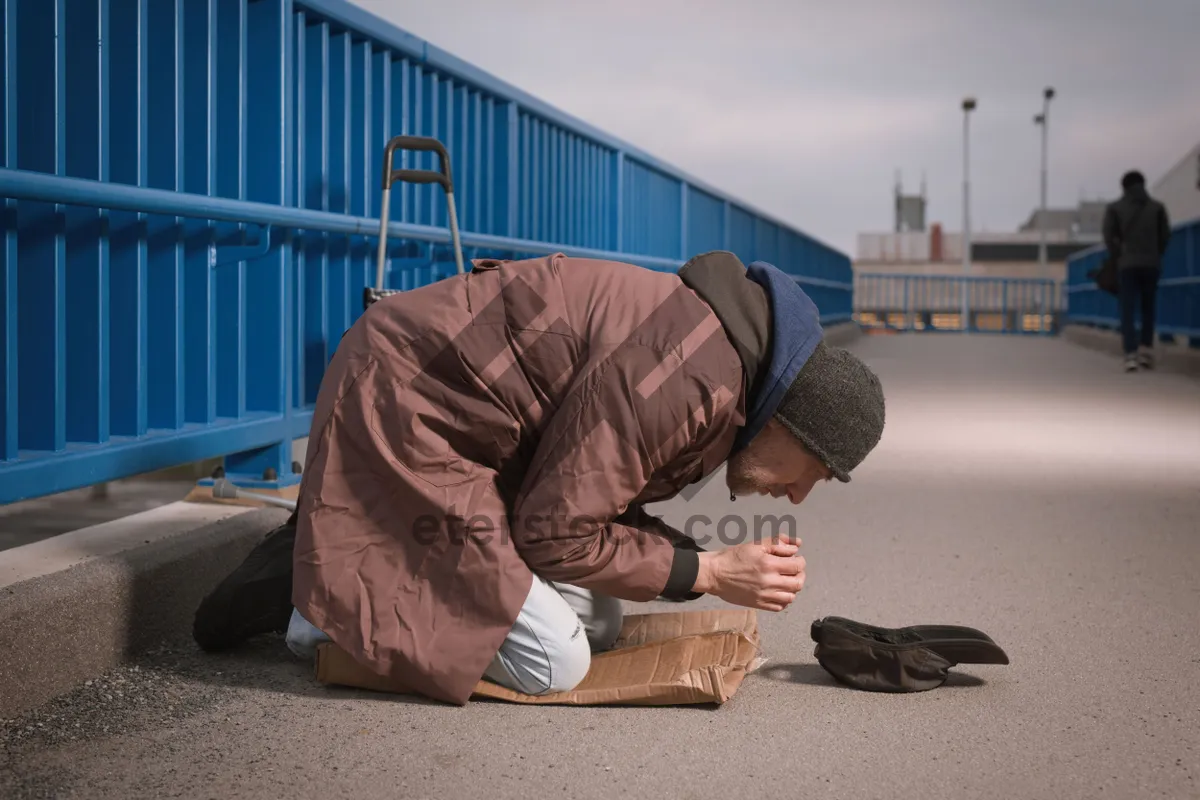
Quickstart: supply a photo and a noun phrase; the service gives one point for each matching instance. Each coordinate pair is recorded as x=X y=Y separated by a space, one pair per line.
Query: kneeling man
x=482 y=447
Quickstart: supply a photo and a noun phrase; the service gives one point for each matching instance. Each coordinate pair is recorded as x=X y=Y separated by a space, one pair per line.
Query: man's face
x=775 y=463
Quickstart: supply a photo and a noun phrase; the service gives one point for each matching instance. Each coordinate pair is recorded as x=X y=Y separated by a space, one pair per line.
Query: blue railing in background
x=190 y=211
x=935 y=303
x=1178 y=313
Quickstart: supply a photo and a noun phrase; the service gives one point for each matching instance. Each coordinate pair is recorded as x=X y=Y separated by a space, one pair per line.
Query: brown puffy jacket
x=500 y=424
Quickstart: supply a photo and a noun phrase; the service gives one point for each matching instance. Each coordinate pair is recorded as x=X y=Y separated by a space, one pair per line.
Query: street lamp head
x=1048 y=93
x=968 y=104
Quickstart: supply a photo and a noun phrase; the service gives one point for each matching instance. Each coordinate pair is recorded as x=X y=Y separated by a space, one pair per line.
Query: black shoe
x=255 y=598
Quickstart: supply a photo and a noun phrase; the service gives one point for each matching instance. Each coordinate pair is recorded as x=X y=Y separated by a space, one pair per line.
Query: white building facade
x=1179 y=188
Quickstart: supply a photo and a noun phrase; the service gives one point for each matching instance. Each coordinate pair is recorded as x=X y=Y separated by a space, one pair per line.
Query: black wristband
x=685 y=568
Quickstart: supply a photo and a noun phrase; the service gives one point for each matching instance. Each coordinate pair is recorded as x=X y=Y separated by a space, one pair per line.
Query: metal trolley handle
x=421 y=176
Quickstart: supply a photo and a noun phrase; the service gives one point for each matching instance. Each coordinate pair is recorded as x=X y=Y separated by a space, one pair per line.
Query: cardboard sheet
x=687 y=657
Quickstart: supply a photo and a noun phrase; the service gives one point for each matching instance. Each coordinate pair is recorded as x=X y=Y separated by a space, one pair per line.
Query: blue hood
x=795 y=333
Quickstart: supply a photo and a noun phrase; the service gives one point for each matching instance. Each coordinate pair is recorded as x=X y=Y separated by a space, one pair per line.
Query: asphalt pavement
x=1026 y=487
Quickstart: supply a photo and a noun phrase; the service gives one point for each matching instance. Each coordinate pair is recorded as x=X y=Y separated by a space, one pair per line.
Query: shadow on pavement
x=264 y=663
x=815 y=675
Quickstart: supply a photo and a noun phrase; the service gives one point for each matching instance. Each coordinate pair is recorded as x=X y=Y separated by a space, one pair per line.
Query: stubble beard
x=742 y=475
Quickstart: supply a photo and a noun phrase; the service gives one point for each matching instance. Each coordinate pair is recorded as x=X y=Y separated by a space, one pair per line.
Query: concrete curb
x=1171 y=357
x=69 y=619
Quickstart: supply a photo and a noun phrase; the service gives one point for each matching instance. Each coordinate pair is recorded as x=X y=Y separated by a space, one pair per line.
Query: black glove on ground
x=912 y=659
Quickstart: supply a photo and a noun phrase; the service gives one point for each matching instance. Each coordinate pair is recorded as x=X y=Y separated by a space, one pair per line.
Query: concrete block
x=75 y=606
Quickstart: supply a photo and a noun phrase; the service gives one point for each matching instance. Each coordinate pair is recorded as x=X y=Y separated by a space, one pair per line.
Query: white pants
x=549 y=648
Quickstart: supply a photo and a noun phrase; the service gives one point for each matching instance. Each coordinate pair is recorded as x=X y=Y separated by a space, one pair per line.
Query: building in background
x=993 y=254
x=912 y=248
x=1179 y=188
x=1086 y=220
x=910 y=278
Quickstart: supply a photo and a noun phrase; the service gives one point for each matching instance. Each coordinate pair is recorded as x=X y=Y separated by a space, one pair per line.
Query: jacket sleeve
x=634 y=413
x=638 y=517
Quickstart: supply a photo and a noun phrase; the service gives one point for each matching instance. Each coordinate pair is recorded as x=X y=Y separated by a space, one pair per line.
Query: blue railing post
x=268 y=279
x=619 y=198
x=1004 y=309
x=510 y=171
x=683 y=220
x=87 y=253
x=727 y=227
x=1191 y=254
x=9 y=386
x=1047 y=309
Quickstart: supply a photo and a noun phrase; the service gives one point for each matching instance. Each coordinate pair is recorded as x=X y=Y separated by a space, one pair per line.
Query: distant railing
x=888 y=302
x=1178 y=312
x=191 y=209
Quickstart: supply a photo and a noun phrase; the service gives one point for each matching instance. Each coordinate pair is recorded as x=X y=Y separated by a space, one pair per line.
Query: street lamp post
x=968 y=105
x=1043 y=121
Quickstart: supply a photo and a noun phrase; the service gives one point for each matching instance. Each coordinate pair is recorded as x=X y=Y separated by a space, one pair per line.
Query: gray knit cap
x=835 y=408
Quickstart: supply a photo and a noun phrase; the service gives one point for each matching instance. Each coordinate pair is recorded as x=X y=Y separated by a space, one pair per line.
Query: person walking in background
x=1136 y=230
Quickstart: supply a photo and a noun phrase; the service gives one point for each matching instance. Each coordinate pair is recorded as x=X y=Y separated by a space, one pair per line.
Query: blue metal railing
x=1178 y=313
x=936 y=302
x=191 y=206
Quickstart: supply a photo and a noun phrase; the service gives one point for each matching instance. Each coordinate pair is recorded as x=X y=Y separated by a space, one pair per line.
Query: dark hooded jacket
x=1136 y=229
x=771 y=322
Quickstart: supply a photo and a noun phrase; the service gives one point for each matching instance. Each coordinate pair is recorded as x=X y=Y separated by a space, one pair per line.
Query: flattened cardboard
x=680 y=658
x=645 y=628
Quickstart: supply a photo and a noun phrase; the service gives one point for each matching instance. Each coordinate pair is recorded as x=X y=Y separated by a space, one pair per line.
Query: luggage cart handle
x=391 y=176
x=420 y=176
x=420 y=144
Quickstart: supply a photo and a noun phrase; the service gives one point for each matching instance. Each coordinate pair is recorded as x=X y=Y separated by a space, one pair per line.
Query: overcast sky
x=806 y=109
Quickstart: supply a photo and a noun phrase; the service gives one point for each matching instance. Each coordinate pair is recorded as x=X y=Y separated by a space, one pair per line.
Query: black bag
x=1106 y=276
x=912 y=659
